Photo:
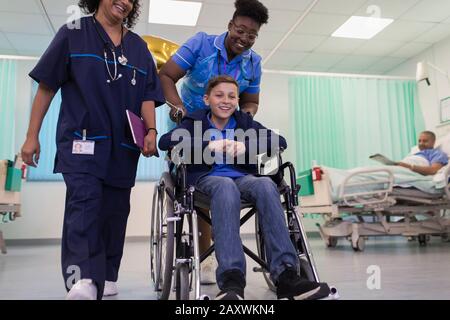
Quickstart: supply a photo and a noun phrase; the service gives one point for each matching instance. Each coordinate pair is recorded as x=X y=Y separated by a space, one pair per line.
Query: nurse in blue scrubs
x=205 y=56
x=102 y=69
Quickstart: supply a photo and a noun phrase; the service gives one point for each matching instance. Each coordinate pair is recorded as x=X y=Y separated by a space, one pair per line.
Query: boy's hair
x=214 y=82
x=252 y=9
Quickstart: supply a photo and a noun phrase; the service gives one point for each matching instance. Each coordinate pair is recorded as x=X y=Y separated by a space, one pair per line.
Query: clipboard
x=138 y=131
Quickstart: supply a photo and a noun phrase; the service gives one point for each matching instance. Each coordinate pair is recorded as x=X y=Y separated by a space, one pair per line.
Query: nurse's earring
x=133 y=81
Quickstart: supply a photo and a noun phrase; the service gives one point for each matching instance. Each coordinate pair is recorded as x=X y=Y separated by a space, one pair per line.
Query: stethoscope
x=122 y=59
x=236 y=72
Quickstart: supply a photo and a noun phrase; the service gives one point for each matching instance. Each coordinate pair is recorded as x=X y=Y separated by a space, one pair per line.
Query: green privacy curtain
x=340 y=122
x=7 y=107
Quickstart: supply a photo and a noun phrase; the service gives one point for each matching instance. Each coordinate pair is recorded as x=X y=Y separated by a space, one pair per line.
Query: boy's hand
x=218 y=146
x=235 y=148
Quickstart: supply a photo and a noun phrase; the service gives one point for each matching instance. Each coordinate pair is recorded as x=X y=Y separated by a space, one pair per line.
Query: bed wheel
x=332 y=242
x=423 y=239
x=359 y=245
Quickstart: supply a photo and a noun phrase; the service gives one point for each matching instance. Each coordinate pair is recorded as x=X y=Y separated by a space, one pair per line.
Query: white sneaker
x=208 y=270
x=84 y=289
x=110 y=289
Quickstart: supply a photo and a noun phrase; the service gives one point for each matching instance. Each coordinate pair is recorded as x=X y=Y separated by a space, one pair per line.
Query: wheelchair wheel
x=162 y=238
x=182 y=282
x=260 y=246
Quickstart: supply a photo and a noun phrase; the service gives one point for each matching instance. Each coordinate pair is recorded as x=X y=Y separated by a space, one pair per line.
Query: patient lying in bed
x=424 y=170
x=428 y=160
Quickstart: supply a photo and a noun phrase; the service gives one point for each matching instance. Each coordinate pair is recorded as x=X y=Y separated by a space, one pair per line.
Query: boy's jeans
x=226 y=194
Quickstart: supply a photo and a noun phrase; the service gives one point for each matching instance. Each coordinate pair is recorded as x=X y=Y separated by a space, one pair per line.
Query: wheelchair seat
x=202 y=200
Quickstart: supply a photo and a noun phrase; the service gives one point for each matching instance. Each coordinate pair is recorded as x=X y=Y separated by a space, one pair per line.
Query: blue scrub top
x=204 y=56
x=74 y=63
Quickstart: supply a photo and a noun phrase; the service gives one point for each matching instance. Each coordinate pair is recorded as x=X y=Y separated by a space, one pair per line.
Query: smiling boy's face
x=222 y=100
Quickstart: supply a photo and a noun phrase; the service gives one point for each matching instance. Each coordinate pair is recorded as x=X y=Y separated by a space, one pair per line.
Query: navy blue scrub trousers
x=94 y=228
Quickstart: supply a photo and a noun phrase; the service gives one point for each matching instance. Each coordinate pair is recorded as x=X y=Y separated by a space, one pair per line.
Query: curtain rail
x=343 y=75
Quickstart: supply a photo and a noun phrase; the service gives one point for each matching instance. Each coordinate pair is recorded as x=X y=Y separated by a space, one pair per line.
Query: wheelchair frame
x=174 y=238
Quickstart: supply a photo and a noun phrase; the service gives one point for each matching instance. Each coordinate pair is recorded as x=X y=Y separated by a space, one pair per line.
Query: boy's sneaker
x=84 y=289
x=110 y=289
x=230 y=294
x=233 y=286
x=292 y=287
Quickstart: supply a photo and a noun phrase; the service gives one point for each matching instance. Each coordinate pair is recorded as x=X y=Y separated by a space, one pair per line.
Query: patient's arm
x=426 y=171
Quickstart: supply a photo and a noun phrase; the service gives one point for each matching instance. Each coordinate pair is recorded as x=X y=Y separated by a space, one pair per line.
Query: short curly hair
x=90 y=6
x=252 y=9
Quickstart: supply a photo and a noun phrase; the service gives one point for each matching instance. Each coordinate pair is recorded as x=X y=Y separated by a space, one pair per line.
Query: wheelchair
x=174 y=238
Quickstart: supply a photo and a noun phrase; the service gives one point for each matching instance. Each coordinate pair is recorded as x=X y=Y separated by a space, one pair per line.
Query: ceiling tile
x=321 y=60
x=306 y=43
x=4 y=43
x=285 y=59
x=22 y=6
x=281 y=20
x=410 y=50
x=429 y=11
x=339 y=45
x=59 y=7
x=268 y=40
x=320 y=24
x=436 y=34
x=14 y=22
x=338 y=7
x=388 y=8
x=385 y=65
x=31 y=44
x=9 y=51
x=378 y=47
x=404 y=30
x=356 y=63
x=292 y=5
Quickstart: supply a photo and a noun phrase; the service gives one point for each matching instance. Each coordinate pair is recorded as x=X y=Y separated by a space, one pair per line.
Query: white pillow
x=416 y=160
x=414 y=150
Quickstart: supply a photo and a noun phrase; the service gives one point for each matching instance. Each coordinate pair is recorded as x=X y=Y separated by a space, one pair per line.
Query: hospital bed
x=362 y=208
x=9 y=200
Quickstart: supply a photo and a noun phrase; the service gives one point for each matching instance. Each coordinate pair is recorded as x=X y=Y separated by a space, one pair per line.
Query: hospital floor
x=407 y=271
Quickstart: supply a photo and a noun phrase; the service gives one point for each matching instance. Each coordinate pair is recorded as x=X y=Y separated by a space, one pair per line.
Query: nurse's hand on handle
x=31 y=150
x=149 y=144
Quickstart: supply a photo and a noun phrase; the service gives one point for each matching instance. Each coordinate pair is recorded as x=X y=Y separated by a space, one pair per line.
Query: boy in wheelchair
x=226 y=183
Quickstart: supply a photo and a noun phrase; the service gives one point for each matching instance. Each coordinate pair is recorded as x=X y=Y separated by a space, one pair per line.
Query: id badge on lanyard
x=83 y=146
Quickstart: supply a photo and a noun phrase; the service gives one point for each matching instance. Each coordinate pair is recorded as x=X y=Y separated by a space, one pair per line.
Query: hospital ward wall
x=430 y=96
x=43 y=202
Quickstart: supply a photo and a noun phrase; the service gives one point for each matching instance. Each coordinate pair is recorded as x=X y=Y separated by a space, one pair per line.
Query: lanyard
x=237 y=68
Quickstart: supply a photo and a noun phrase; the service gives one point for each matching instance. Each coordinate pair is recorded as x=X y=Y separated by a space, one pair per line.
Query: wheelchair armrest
x=269 y=165
x=175 y=155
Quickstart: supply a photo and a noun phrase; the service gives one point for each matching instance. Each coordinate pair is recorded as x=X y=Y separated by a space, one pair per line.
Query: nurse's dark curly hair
x=90 y=6
x=252 y=9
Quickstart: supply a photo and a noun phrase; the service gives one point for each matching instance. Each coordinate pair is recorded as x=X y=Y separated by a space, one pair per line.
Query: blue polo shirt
x=433 y=156
x=220 y=168
x=203 y=57
x=74 y=62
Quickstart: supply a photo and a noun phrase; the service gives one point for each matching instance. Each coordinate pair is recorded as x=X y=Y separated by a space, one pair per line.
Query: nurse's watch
x=149 y=129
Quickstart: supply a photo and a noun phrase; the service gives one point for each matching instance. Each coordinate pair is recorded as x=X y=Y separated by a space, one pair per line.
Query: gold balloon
x=161 y=49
